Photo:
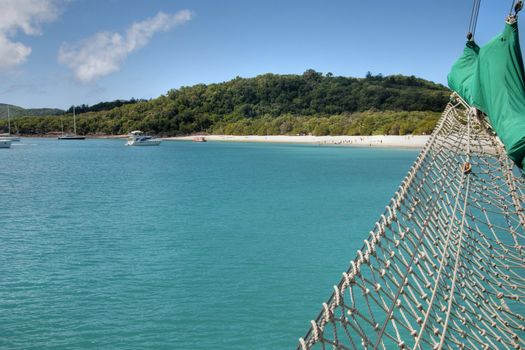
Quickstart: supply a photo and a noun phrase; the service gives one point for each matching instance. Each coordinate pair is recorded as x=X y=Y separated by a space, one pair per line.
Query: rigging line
x=462 y=231
x=511 y=7
x=441 y=263
x=423 y=233
x=471 y=16
x=478 y=3
x=454 y=278
x=407 y=182
x=476 y=254
x=404 y=186
x=473 y=19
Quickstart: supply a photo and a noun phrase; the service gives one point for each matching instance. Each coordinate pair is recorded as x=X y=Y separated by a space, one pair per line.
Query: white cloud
x=103 y=53
x=22 y=16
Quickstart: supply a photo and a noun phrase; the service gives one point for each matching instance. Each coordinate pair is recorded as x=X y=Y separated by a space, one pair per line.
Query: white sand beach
x=412 y=141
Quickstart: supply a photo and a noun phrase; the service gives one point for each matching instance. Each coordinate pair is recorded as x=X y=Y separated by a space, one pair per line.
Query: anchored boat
x=137 y=138
x=5 y=143
x=8 y=136
x=73 y=136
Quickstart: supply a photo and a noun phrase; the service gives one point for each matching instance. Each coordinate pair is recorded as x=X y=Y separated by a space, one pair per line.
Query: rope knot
x=337 y=296
x=316 y=330
x=349 y=279
x=361 y=257
x=355 y=269
x=327 y=313
x=467 y=168
x=303 y=344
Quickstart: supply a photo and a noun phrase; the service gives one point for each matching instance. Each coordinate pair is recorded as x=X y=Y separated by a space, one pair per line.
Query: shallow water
x=186 y=245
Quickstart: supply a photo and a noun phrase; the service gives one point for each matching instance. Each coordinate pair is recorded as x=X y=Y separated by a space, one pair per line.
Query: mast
x=74 y=122
x=8 y=121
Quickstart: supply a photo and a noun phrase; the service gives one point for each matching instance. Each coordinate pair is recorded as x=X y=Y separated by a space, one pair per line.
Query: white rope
x=403 y=292
x=461 y=230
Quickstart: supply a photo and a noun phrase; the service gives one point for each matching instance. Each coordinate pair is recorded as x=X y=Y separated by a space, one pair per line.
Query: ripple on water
x=223 y=245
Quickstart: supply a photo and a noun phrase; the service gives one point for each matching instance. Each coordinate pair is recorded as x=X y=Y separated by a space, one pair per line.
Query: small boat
x=137 y=138
x=8 y=136
x=73 y=136
x=5 y=143
x=199 y=139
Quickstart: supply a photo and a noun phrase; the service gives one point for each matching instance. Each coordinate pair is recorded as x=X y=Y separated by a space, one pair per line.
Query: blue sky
x=55 y=53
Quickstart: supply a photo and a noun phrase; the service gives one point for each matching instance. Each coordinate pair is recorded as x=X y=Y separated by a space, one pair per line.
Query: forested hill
x=103 y=106
x=274 y=104
x=311 y=93
x=16 y=111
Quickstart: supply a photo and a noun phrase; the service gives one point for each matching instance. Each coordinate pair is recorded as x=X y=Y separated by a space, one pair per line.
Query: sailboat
x=73 y=136
x=4 y=143
x=8 y=136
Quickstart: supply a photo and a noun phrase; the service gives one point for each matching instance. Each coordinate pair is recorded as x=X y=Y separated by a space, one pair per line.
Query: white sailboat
x=8 y=136
x=73 y=136
x=4 y=143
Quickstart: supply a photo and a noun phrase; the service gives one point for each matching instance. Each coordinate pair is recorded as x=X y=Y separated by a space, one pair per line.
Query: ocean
x=186 y=245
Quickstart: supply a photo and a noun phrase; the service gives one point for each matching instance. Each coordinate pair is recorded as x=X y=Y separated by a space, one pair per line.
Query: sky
x=56 y=53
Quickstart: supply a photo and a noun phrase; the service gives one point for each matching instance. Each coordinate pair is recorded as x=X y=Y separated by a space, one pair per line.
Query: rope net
x=444 y=265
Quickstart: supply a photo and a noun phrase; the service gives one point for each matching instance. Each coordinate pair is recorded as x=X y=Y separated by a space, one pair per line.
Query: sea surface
x=182 y=246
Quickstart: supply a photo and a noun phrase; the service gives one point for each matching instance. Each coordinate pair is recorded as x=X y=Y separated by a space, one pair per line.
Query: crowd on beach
x=370 y=141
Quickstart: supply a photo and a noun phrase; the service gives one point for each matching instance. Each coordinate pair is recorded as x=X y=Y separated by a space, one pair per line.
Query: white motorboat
x=137 y=138
x=5 y=143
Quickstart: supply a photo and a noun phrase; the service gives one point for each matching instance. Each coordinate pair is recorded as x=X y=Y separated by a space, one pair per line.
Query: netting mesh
x=444 y=266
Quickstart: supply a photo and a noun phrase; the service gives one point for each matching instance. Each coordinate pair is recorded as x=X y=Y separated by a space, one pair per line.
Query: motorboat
x=199 y=139
x=137 y=138
x=5 y=143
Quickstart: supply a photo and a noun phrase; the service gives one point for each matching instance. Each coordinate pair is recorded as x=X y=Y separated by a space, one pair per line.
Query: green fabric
x=491 y=78
x=460 y=78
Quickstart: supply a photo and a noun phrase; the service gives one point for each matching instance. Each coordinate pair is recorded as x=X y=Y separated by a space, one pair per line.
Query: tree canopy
x=310 y=103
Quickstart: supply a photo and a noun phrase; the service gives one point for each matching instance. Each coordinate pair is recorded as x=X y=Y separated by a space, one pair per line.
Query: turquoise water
x=186 y=245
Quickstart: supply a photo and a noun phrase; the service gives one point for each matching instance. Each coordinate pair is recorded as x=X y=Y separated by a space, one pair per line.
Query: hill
x=16 y=111
x=310 y=103
x=103 y=106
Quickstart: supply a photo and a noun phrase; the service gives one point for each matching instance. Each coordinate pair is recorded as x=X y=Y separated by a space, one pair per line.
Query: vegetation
x=102 y=106
x=16 y=111
x=311 y=103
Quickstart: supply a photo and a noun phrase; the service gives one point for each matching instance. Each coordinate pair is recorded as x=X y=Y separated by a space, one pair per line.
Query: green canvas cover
x=460 y=78
x=491 y=78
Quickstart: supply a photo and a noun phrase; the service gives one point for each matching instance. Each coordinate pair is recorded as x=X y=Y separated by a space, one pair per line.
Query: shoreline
x=54 y=136
x=390 y=141
x=408 y=141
